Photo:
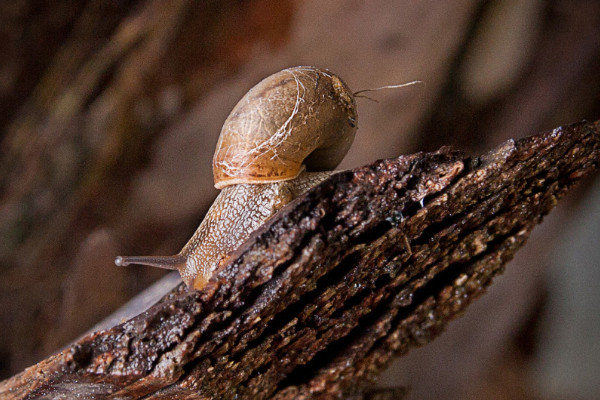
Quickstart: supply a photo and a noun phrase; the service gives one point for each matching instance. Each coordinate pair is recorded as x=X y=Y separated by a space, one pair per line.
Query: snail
x=284 y=136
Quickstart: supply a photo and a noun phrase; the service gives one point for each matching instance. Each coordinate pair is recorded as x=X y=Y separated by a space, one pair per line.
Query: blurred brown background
x=110 y=111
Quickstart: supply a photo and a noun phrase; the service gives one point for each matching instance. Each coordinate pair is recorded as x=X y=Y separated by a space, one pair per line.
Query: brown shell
x=299 y=117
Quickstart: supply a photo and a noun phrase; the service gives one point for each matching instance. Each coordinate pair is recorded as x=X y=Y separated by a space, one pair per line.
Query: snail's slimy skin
x=237 y=212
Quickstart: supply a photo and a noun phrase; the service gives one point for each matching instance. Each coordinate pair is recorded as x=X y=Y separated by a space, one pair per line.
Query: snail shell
x=298 y=117
x=298 y=120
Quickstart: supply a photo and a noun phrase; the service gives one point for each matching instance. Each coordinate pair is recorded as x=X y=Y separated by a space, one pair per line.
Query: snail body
x=287 y=134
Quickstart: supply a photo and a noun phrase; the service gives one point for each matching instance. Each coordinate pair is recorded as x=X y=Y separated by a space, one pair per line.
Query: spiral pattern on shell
x=296 y=118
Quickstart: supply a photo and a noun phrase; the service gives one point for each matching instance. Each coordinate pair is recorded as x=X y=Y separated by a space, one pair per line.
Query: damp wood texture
x=360 y=269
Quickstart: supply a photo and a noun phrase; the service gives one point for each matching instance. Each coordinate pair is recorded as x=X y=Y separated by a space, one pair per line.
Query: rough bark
x=365 y=266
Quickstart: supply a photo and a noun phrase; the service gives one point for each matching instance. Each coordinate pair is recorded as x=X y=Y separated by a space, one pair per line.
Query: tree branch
x=363 y=267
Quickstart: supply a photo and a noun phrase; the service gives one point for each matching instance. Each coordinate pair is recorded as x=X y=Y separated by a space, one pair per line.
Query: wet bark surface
x=368 y=264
